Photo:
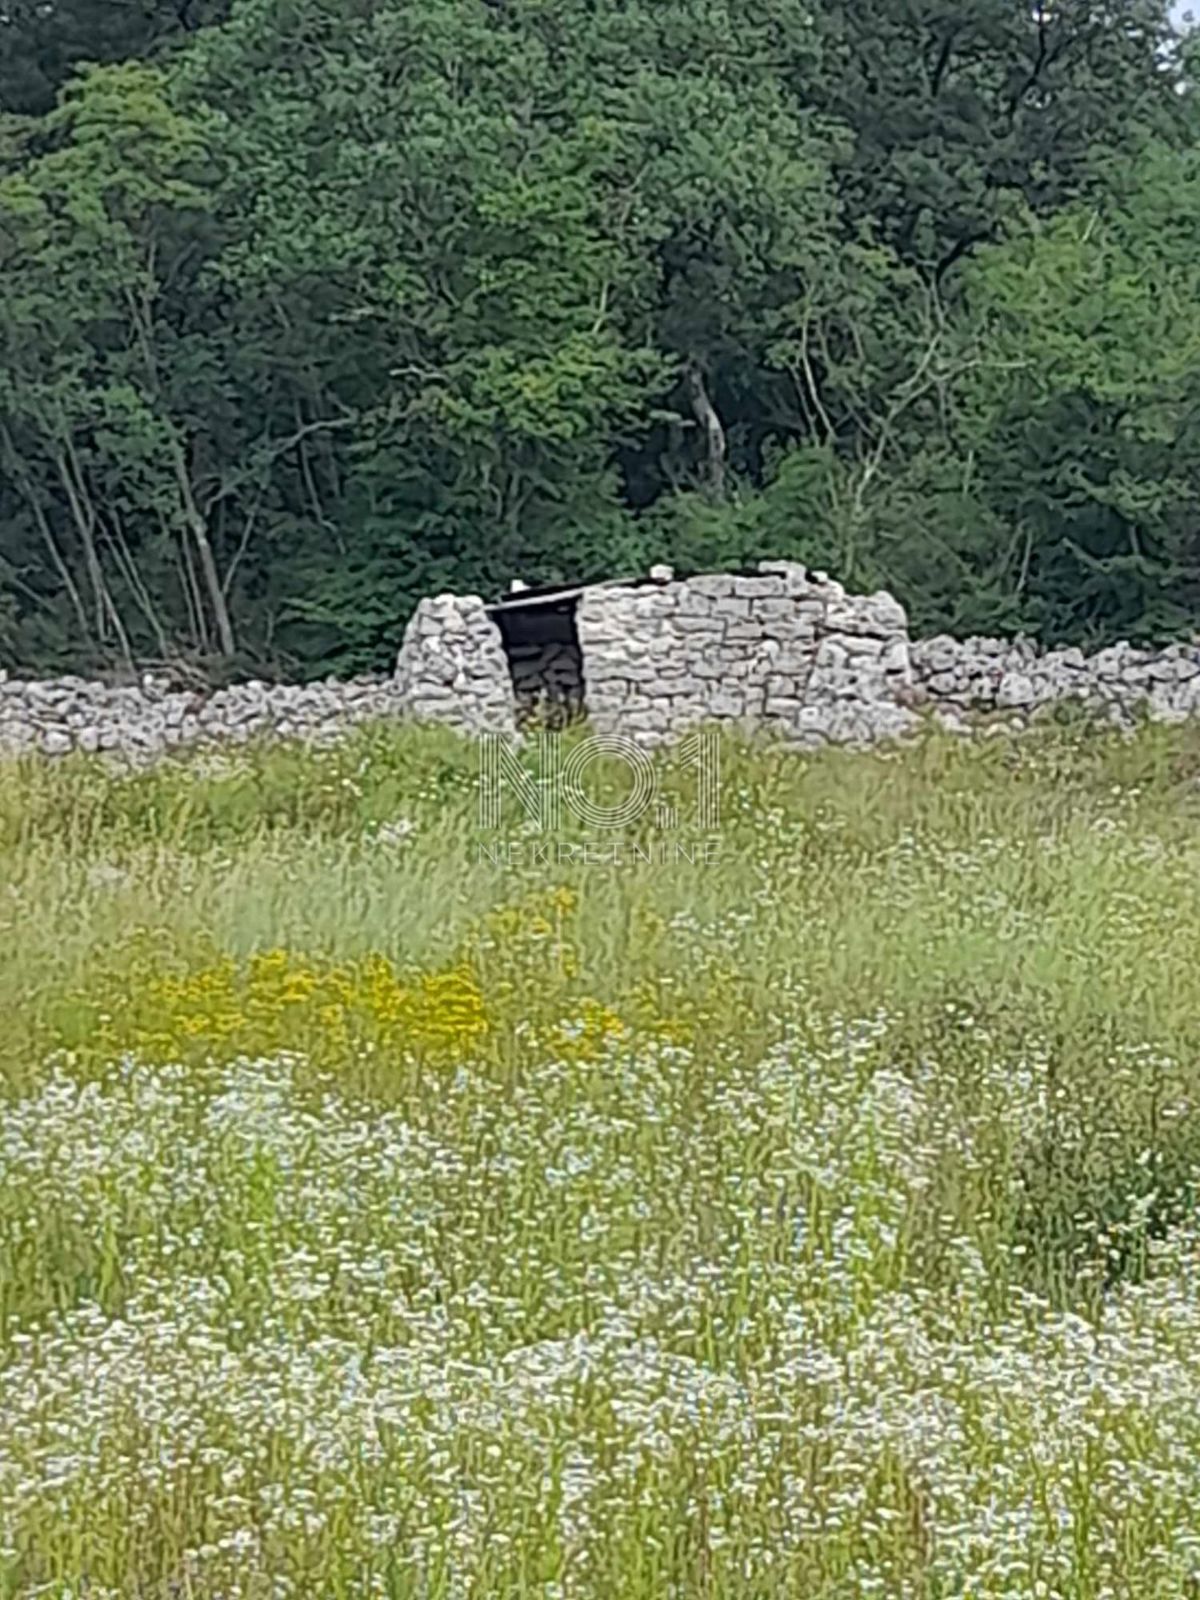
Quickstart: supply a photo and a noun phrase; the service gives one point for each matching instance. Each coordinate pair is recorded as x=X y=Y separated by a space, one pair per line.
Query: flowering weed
x=820 y=1225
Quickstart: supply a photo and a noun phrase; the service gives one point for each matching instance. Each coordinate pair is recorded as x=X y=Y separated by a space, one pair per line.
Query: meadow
x=814 y=1216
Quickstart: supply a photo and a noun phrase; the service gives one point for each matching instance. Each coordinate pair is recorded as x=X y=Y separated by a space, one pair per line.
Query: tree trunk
x=85 y=522
x=204 y=551
x=47 y=532
x=714 y=432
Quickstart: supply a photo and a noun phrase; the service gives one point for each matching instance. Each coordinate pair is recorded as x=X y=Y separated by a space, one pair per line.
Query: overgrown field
x=818 y=1220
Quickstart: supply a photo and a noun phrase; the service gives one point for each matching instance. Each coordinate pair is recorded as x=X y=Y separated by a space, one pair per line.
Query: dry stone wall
x=453 y=669
x=149 y=719
x=774 y=648
x=778 y=648
x=961 y=676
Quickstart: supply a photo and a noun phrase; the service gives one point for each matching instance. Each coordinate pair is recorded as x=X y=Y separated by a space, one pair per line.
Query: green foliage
x=1096 y=318
x=43 y=41
x=303 y=318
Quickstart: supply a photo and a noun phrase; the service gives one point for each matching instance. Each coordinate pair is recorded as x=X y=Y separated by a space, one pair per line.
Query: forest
x=309 y=308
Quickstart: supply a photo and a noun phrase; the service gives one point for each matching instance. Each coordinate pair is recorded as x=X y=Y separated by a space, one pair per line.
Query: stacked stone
x=776 y=648
x=861 y=682
x=663 y=658
x=958 y=676
x=146 y=720
x=548 y=683
x=452 y=667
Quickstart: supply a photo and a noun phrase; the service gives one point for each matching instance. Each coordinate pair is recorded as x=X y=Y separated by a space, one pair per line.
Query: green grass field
x=815 y=1220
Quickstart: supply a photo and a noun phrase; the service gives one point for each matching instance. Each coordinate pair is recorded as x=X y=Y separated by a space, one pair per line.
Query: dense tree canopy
x=312 y=306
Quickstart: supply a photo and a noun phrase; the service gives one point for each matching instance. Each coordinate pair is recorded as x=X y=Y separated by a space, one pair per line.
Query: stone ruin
x=777 y=649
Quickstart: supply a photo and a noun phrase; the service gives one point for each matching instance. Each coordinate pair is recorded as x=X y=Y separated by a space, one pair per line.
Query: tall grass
x=813 y=1218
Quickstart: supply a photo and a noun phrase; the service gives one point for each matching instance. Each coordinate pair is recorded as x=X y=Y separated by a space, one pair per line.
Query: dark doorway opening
x=544 y=659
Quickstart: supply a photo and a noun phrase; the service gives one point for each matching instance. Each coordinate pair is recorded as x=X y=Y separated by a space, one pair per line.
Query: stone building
x=774 y=647
x=778 y=649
